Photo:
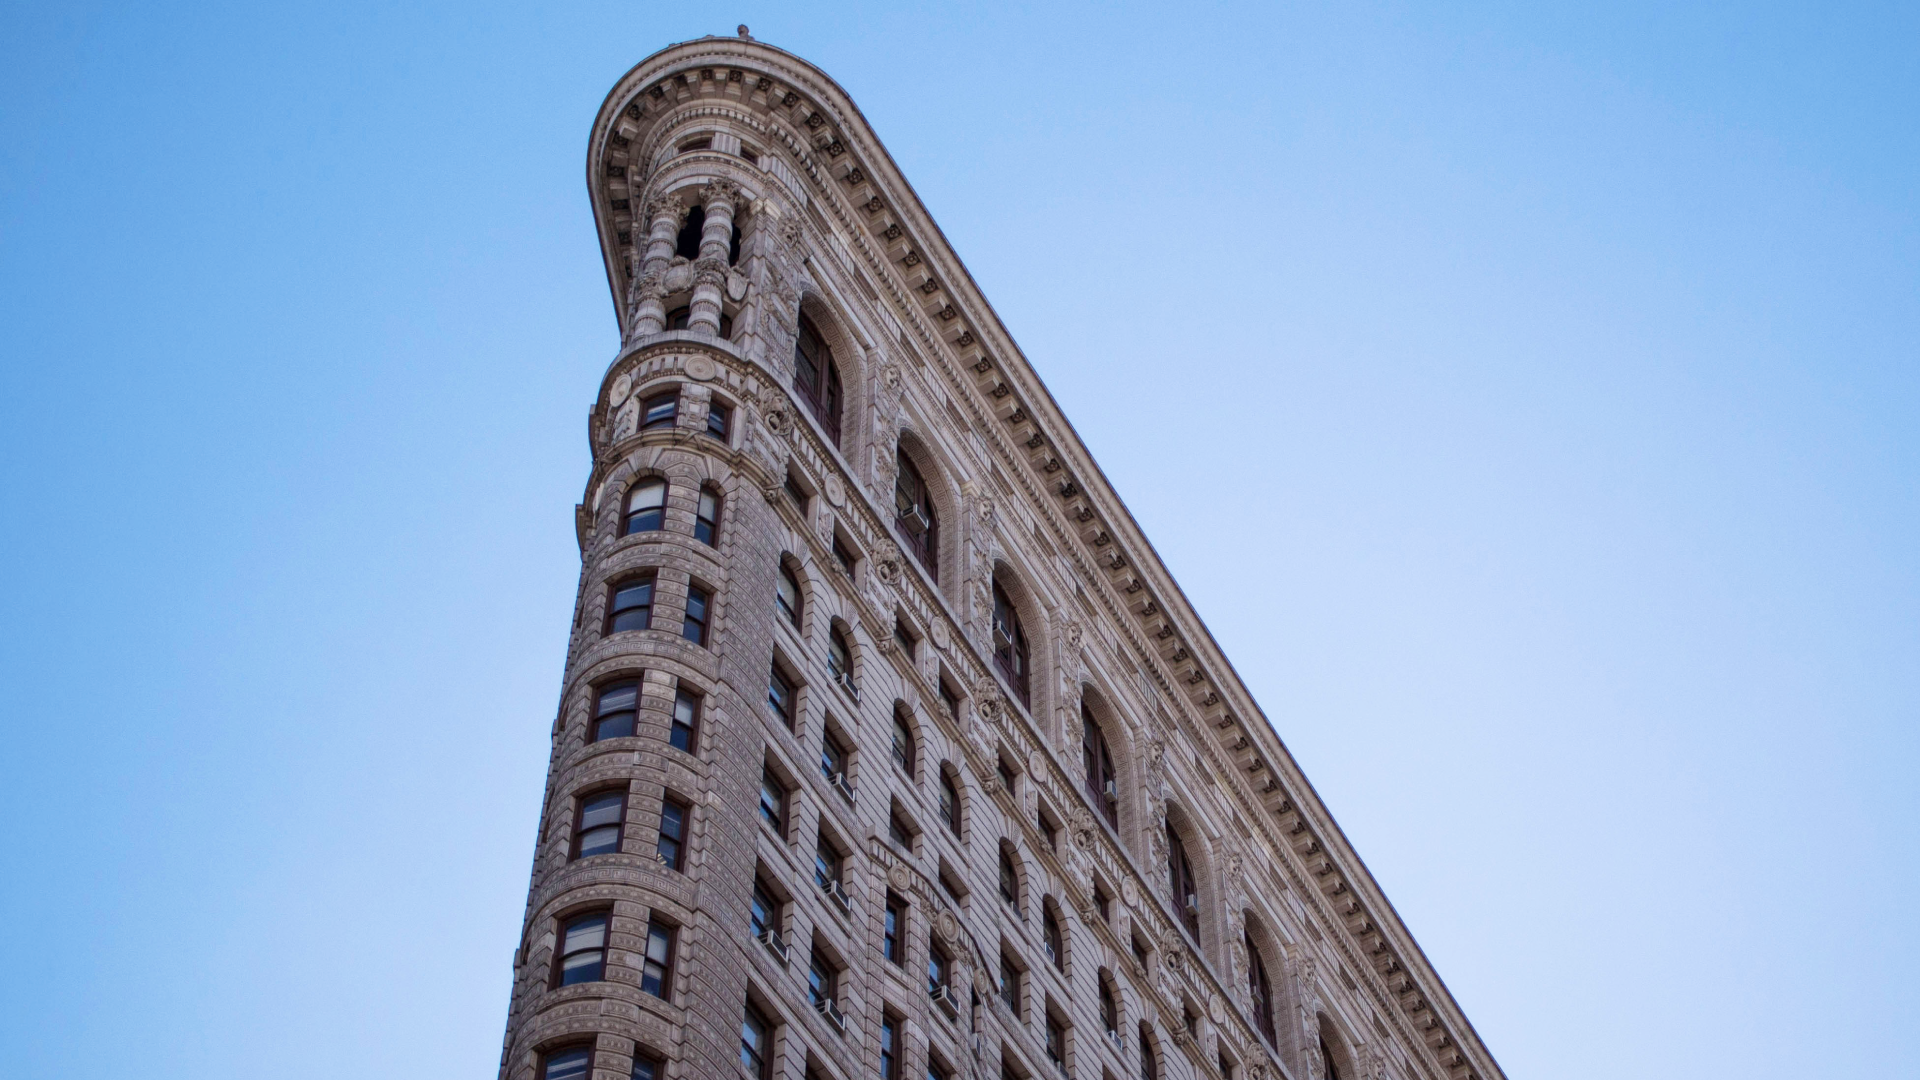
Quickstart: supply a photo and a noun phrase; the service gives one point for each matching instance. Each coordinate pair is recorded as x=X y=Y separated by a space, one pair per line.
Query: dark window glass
x=719 y=420
x=656 y=970
x=902 y=638
x=733 y=244
x=889 y=1047
x=1139 y=952
x=763 y=913
x=786 y=595
x=902 y=744
x=632 y=606
x=756 y=1043
x=673 y=833
x=694 y=628
x=1056 y=1042
x=914 y=518
x=1102 y=785
x=951 y=700
x=893 y=939
x=1007 y=778
x=570 y=1064
x=660 y=410
x=583 y=949
x=679 y=318
x=598 y=831
x=826 y=863
x=1010 y=652
x=648 y=1067
x=1010 y=983
x=1049 y=832
x=840 y=662
x=899 y=832
x=1056 y=944
x=1186 y=896
x=1326 y=1055
x=1109 y=1008
x=1261 y=992
x=686 y=721
x=1103 y=903
x=939 y=967
x=795 y=492
x=647 y=506
x=833 y=758
x=843 y=557
x=1149 y=1068
x=950 y=803
x=1009 y=879
x=706 y=521
x=937 y=1071
x=821 y=978
x=817 y=378
x=687 y=243
x=773 y=802
x=780 y=694
x=615 y=712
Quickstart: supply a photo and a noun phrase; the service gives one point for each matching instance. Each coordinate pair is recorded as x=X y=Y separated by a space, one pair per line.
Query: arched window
x=1260 y=991
x=647 y=506
x=1109 y=1007
x=1102 y=784
x=1009 y=878
x=1149 y=1068
x=1010 y=653
x=950 y=802
x=1326 y=1055
x=687 y=244
x=914 y=517
x=786 y=595
x=817 y=378
x=902 y=742
x=1186 y=897
x=840 y=662
x=1056 y=942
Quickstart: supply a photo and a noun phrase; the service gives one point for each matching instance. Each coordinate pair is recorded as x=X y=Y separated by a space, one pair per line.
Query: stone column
x=710 y=269
x=650 y=315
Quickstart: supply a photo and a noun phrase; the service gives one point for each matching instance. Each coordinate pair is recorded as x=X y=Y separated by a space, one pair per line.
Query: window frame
x=619 y=823
x=632 y=523
x=651 y=579
x=690 y=725
x=561 y=951
x=720 y=409
x=669 y=419
x=1183 y=885
x=796 y=611
x=1096 y=755
x=1014 y=662
x=694 y=627
x=910 y=494
x=600 y=715
x=790 y=690
x=658 y=929
x=701 y=519
x=768 y=776
x=893 y=930
x=681 y=842
x=548 y=1056
x=765 y=1031
x=823 y=392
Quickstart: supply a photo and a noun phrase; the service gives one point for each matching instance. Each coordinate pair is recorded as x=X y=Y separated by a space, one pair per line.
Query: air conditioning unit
x=845 y=679
x=1112 y=792
x=942 y=996
x=1193 y=904
x=912 y=520
x=1001 y=638
x=1118 y=1043
x=838 y=895
x=827 y=1009
x=771 y=939
x=838 y=782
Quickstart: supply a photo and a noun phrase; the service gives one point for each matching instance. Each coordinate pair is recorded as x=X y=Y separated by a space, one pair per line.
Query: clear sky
x=1527 y=398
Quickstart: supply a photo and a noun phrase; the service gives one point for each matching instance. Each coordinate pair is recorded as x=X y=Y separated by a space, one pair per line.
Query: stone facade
x=1201 y=916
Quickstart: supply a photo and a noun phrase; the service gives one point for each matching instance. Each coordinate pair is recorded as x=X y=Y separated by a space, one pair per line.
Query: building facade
x=886 y=746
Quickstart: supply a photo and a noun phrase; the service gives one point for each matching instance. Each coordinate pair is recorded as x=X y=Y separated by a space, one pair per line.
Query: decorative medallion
x=1037 y=763
x=622 y=386
x=938 y=632
x=947 y=925
x=1216 y=1009
x=899 y=879
x=836 y=491
x=1129 y=893
x=701 y=368
x=778 y=419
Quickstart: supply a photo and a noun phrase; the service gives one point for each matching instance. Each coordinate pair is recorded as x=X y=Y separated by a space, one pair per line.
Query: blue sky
x=1565 y=361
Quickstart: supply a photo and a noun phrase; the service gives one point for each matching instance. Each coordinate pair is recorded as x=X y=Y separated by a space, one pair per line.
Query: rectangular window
x=583 y=949
x=597 y=829
x=647 y=1067
x=826 y=864
x=660 y=410
x=719 y=420
x=780 y=694
x=631 y=606
x=1009 y=984
x=756 y=1044
x=794 y=492
x=889 y=1047
x=694 y=629
x=939 y=968
x=706 y=520
x=647 y=506
x=893 y=941
x=833 y=758
x=951 y=700
x=900 y=832
x=764 y=912
x=572 y=1063
x=616 y=711
x=686 y=721
x=842 y=557
x=950 y=803
x=1057 y=1043
x=902 y=638
x=672 y=847
x=937 y=1071
x=773 y=802
x=821 y=979
x=786 y=595
x=656 y=970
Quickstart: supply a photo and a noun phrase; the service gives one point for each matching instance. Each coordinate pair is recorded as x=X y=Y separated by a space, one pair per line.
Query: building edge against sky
x=885 y=741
